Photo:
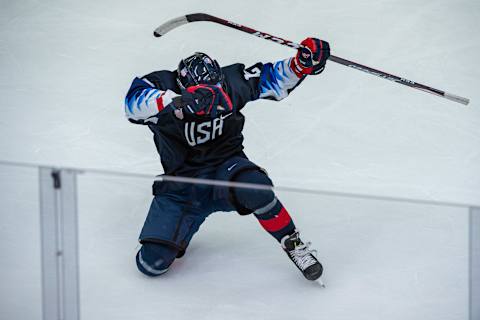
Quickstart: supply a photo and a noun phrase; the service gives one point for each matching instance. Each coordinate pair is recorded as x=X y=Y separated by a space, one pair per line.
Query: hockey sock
x=275 y=219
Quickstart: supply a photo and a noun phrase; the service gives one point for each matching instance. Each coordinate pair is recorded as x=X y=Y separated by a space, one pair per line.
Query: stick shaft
x=397 y=79
x=171 y=24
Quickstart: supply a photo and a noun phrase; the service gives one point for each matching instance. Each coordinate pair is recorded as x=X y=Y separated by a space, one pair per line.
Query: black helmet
x=198 y=69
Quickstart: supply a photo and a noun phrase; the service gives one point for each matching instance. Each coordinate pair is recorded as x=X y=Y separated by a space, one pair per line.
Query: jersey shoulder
x=242 y=83
x=238 y=73
x=163 y=80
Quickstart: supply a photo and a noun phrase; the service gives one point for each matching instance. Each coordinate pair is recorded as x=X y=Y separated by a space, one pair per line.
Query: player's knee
x=253 y=199
x=154 y=259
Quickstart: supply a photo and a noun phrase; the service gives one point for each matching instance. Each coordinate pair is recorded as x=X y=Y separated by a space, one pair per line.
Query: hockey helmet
x=198 y=68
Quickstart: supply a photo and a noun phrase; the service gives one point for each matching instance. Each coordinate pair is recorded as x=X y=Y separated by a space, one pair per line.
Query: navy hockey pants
x=178 y=210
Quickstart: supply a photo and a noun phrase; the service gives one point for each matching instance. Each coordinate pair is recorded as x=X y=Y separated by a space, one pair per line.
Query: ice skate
x=302 y=256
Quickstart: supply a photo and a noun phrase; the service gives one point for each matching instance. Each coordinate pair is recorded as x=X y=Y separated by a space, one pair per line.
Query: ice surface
x=66 y=66
x=382 y=260
x=65 y=69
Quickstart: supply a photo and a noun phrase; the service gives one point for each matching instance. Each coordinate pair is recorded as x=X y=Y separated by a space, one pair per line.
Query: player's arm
x=278 y=79
x=144 y=102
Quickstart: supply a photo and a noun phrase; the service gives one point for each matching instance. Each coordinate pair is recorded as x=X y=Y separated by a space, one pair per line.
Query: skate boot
x=302 y=256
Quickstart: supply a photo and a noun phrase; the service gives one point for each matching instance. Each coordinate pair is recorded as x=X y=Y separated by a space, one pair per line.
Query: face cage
x=192 y=78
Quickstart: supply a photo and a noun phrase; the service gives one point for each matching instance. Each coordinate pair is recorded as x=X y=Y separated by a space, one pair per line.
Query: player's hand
x=311 y=57
x=204 y=99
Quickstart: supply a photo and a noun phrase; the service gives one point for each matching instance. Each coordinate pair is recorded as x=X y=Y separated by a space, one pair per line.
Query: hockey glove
x=311 y=57
x=206 y=99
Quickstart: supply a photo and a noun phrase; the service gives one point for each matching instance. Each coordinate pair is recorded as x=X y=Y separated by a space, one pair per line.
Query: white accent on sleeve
x=147 y=103
x=277 y=79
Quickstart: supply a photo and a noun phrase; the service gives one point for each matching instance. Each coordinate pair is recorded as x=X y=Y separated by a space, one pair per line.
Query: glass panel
x=20 y=263
x=382 y=259
x=386 y=260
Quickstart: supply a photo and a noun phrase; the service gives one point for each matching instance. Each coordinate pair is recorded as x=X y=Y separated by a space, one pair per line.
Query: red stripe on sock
x=278 y=223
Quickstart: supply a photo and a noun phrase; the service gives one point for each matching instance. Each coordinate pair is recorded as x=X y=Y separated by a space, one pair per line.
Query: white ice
x=65 y=67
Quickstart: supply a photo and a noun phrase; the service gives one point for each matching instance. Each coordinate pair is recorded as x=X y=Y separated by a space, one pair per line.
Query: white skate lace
x=303 y=256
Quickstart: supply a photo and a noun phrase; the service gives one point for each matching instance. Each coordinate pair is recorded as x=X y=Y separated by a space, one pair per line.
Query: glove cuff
x=297 y=68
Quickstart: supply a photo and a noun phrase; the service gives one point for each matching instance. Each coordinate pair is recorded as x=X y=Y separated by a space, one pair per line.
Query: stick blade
x=170 y=25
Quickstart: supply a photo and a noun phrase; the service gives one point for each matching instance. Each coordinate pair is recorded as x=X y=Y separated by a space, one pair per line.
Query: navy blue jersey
x=187 y=143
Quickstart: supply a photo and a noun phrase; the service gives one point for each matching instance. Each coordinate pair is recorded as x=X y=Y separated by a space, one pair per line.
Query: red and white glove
x=311 y=57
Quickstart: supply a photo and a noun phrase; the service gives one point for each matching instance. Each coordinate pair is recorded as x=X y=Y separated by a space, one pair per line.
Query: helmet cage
x=198 y=68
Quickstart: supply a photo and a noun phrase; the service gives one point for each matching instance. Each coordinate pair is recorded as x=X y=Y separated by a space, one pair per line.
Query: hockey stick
x=174 y=23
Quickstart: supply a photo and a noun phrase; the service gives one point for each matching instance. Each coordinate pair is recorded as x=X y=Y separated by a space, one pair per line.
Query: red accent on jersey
x=278 y=223
x=160 y=105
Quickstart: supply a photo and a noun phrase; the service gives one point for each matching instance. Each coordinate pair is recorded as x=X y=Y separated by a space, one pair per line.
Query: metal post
x=474 y=263
x=59 y=234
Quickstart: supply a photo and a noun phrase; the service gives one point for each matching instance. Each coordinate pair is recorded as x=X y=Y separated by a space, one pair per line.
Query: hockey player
x=196 y=120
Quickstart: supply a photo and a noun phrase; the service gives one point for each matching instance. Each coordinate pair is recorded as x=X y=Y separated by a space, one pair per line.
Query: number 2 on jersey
x=252 y=72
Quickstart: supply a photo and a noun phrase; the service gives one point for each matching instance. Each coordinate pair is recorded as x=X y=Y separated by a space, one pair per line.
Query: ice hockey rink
x=66 y=66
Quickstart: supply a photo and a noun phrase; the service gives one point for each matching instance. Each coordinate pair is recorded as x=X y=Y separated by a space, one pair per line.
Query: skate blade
x=320 y=283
